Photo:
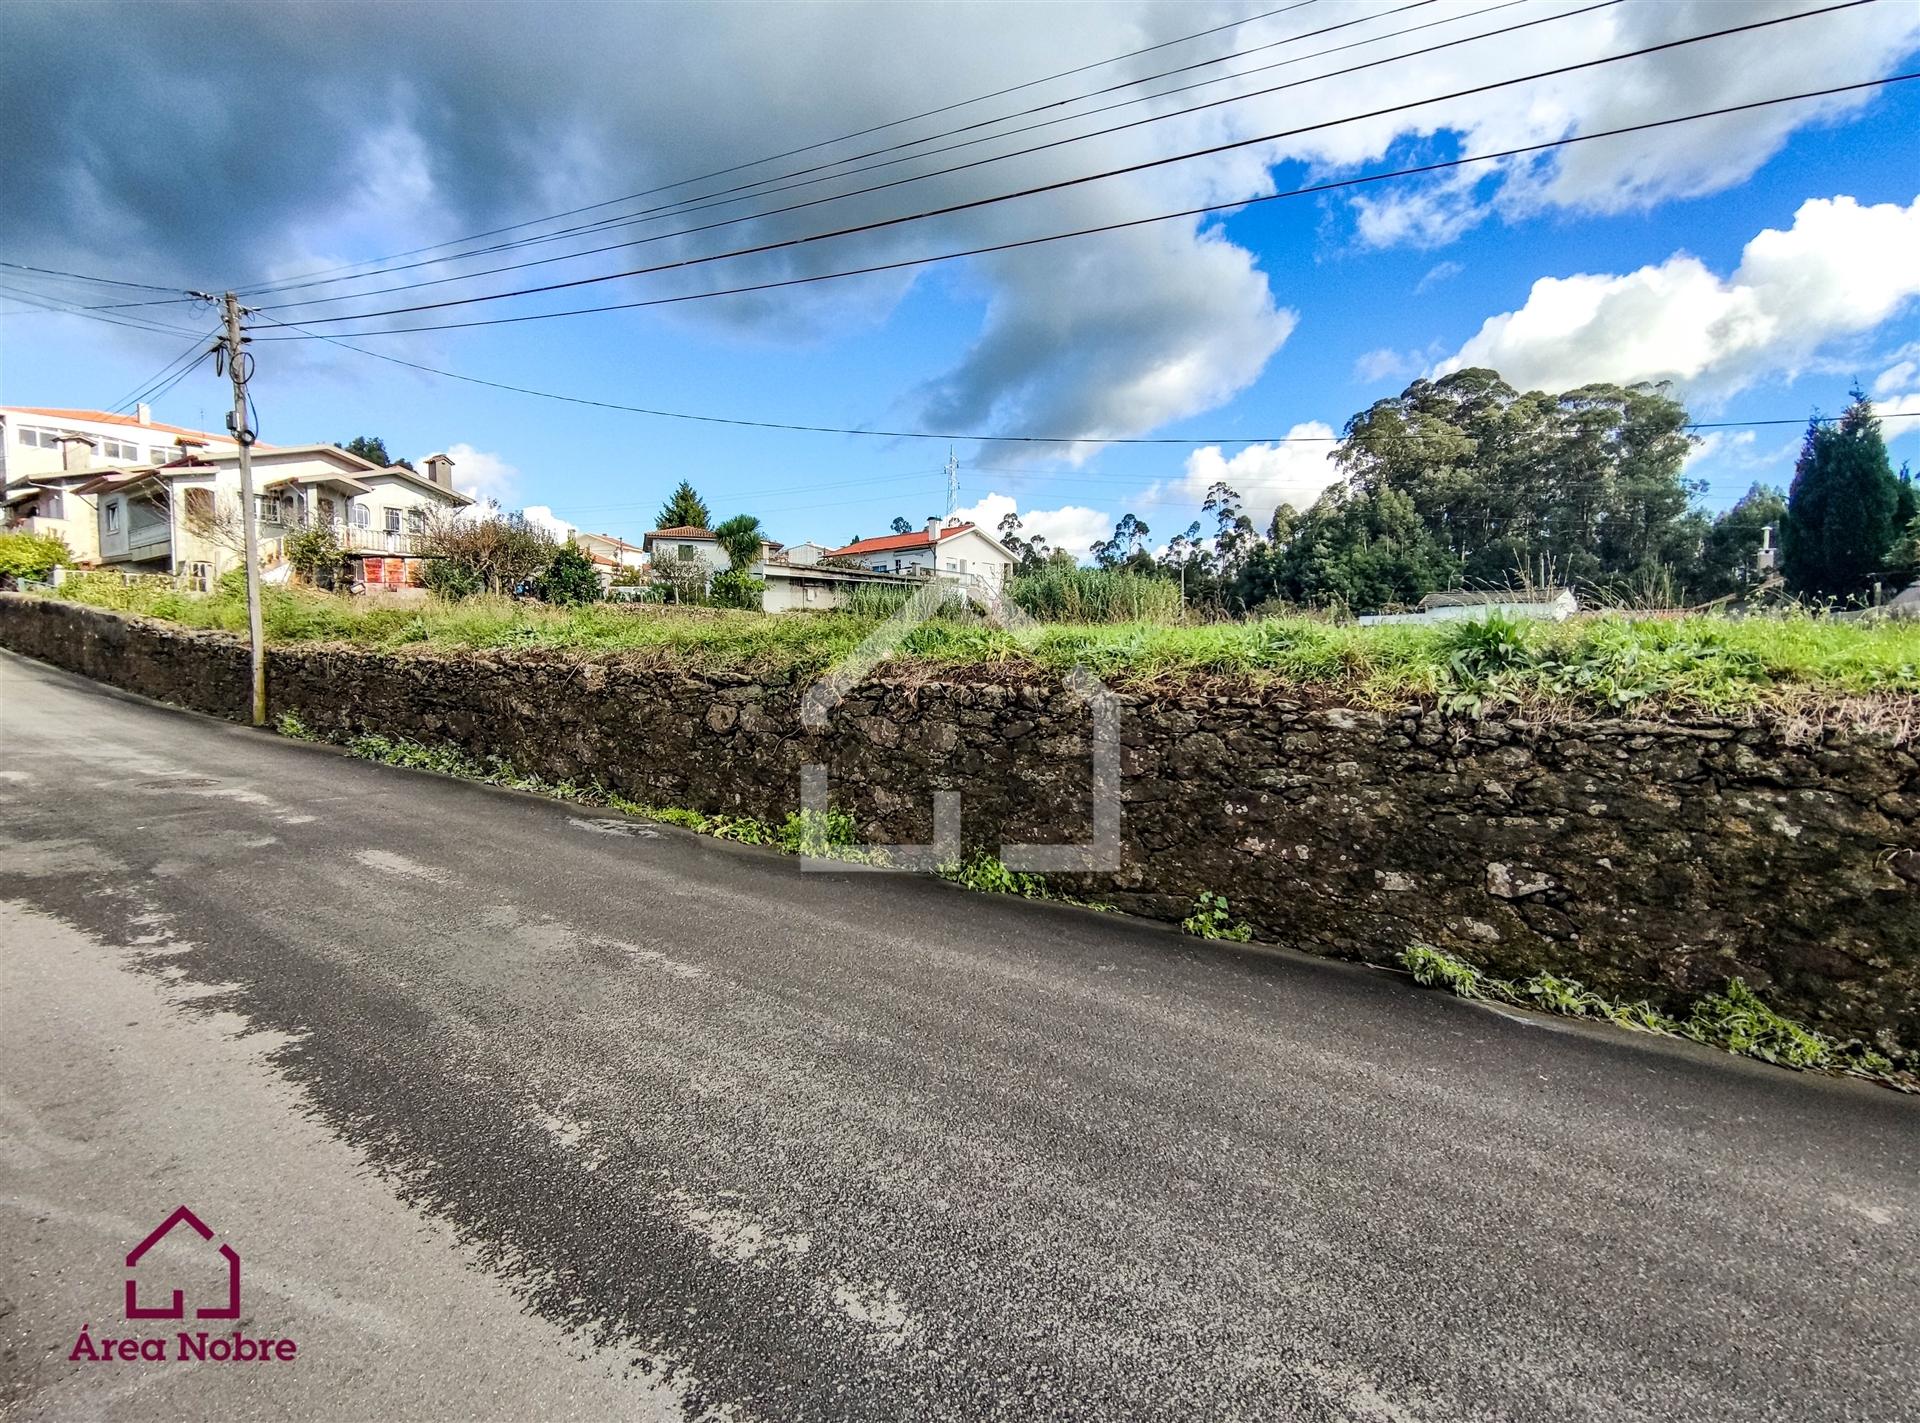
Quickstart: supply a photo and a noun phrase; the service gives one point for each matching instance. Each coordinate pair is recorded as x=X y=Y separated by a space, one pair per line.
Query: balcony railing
x=354 y=538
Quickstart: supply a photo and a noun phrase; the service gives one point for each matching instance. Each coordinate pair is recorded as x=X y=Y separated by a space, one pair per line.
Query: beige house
x=610 y=555
x=184 y=517
x=48 y=454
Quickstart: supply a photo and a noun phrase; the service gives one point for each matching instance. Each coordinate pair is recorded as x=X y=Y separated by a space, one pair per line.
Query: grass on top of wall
x=1613 y=662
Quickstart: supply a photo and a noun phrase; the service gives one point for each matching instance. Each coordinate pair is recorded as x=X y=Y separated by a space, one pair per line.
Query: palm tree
x=741 y=538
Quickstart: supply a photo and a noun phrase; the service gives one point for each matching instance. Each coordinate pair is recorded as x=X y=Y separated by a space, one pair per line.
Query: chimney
x=76 y=453
x=933 y=531
x=440 y=470
x=143 y=413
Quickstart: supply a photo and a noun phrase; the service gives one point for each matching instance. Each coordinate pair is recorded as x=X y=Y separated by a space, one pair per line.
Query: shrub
x=27 y=555
x=570 y=578
x=315 y=554
x=451 y=579
x=734 y=589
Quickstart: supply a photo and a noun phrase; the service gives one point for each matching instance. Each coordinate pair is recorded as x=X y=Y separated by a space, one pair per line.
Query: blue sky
x=1279 y=319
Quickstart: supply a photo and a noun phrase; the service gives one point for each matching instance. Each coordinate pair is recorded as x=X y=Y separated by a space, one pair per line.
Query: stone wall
x=1645 y=858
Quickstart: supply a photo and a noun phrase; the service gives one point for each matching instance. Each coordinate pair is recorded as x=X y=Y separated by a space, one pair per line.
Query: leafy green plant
x=1212 y=918
x=731 y=588
x=290 y=726
x=986 y=873
x=570 y=578
x=31 y=556
x=1736 y=1019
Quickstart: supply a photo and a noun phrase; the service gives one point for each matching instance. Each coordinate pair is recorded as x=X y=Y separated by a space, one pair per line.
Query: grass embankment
x=1616 y=663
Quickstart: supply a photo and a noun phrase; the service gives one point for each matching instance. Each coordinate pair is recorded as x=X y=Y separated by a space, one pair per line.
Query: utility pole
x=953 y=482
x=240 y=367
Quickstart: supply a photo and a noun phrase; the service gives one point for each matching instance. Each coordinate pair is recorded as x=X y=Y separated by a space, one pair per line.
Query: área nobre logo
x=165 y=1298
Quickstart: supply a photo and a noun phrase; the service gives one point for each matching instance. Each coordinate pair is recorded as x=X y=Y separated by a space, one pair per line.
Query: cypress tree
x=1842 y=510
x=684 y=509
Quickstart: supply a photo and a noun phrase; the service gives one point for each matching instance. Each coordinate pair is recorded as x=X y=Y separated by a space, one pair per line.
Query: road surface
x=514 y=1110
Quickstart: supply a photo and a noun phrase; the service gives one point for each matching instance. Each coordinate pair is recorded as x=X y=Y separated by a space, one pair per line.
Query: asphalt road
x=513 y=1110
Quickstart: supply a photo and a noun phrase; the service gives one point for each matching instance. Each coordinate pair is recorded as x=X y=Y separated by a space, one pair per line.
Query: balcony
x=351 y=537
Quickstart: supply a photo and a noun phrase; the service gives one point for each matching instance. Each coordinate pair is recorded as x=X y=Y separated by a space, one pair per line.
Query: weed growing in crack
x=1212 y=918
x=1736 y=1020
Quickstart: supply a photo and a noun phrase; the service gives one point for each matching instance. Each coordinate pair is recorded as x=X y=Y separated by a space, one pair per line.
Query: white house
x=950 y=550
x=47 y=454
x=183 y=517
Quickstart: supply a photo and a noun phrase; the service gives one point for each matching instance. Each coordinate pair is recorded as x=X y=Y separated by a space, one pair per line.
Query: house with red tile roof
x=950 y=549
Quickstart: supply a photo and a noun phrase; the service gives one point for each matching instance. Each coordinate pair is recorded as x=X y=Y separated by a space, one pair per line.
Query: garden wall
x=1646 y=858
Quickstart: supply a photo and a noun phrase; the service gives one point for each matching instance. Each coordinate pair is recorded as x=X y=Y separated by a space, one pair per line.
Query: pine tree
x=684 y=510
x=1842 y=509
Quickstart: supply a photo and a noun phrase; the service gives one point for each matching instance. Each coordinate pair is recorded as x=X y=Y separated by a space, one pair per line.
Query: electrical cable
x=1059 y=185
x=699 y=201
x=825 y=143
x=903 y=263
x=958 y=168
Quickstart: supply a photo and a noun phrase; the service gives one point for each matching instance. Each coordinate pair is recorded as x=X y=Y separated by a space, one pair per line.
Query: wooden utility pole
x=240 y=368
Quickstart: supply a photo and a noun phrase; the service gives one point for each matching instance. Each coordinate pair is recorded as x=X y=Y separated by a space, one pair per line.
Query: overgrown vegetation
x=26 y=555
x=1616 y=662
x=1736 y=1019
x=1095 y=595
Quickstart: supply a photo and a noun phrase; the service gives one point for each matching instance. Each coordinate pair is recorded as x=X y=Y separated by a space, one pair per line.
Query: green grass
x=1613 y=662
x=1736 y=1019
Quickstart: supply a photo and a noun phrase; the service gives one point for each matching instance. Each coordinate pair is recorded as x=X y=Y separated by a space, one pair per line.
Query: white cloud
x=1071 y=527
x=420 y=130
x=1383 y=363
x=542 y=517
x=1438 y=273
x=1630 y=172
x=1901 y=375
x=1840 y=269
x=480 y=473
x=1268 y=476
x=1905 y=406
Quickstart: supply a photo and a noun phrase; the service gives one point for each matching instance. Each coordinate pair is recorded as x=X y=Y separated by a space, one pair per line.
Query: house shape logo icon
x=176 y=1307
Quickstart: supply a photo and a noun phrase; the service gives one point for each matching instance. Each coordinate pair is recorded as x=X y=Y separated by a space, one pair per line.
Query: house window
x=111 y=513
x=39 y=439
x=685 y=551
x=119 y=450
x=200 y=577
x=362 y=517
x=160 y=454
x=393 y=521
x=266 y=508
x=416 y=521
x=50 y=505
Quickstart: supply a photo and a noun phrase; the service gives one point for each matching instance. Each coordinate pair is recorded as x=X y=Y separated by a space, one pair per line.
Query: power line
x=700 y=202
x=146 y=391
x=829 y=142
x=64 y=308
x=1061 y=184
x=84 y=277
x=1308 y=190
x=964 y=167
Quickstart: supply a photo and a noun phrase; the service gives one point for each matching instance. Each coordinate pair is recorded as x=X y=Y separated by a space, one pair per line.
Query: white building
x=952 y=550
x=1460 y=604
x=184 y=517
x=46 y=455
